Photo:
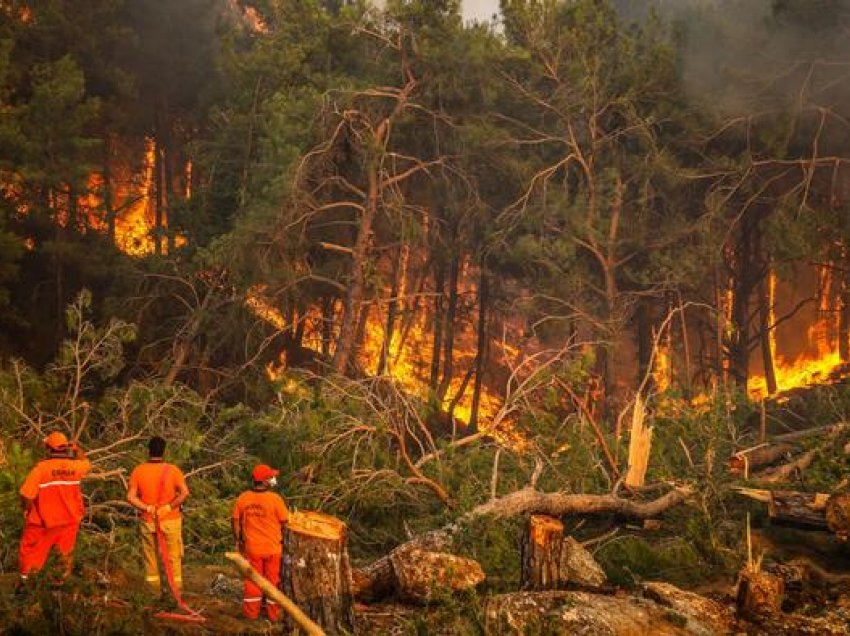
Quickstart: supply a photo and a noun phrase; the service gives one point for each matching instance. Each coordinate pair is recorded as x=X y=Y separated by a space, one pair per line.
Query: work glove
x=163 y=510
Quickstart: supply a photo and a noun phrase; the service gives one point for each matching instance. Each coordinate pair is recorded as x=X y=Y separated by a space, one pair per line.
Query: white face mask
x=272 y=482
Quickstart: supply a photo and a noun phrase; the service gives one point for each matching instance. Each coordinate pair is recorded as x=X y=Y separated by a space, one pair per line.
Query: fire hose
x=190 y=615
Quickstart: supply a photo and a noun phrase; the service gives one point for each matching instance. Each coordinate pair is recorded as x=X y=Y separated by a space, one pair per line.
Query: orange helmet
x=56 y=441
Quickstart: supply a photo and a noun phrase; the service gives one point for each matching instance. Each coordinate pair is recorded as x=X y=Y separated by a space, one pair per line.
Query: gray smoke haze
x=481 y=10
x=748 y=56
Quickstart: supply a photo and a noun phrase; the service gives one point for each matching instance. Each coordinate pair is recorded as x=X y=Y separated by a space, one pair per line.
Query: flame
x=662 y=368
x=408 y=365
x=135 y=202
x=133 y=227
x=257 y=303
x=22 y=14
x=811 y=368
x=797 y=373
x=771 y=313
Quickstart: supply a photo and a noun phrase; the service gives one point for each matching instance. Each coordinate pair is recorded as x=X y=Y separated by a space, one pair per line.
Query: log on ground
x=561 y=612
x=373 y=580
x=806 y=510
x=800 y=509
x=316 y=571
x=423 y=576
x=746 y=461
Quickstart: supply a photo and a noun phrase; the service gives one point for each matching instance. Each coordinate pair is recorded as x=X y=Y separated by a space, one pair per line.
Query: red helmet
x=263 y=472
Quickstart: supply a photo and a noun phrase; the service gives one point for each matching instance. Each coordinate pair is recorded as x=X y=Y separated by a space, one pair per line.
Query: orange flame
x=408 y=365
x=806 y=369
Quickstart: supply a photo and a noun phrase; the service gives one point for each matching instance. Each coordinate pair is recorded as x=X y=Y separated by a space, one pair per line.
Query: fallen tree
x=376 y=579
x=744 y=461
x=783 y=472
x=800 y=509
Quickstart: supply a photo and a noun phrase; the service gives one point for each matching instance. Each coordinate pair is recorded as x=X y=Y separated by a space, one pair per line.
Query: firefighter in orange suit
x=258 y=518
x=157 y=490
x=53 y=505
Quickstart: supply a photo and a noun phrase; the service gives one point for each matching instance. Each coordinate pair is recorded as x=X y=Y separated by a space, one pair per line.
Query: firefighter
x=53 y=505
x=258 y=519
x=157 y=490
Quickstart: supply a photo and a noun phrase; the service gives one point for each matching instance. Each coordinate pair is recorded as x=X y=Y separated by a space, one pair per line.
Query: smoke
x=743 y=57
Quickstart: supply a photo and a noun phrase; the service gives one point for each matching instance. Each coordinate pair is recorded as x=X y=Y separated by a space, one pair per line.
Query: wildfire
x=406 y=365
x=662 y=368
x=133 y=227
x=824 y=358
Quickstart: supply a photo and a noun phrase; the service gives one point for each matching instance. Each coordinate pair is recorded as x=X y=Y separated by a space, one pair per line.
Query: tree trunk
x=745 y=462
x=316 y=571
x=423 y=576
x=360 y=332
x=748 y=273
x=528 y=500
x=170 y=212
x=644 y=345
x=483 y=348
x=439 y=291
x=540 y=553
x=392 y=310
x=765 y=332
x=787 y=470
x=108 y=205
x=449 y=341
x=327 y=325
x=158 y=200
x=357 y=287
x=551 y=561
x=844 y=311
x=801 y=509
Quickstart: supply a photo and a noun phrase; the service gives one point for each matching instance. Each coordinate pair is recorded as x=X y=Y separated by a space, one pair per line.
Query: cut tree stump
x=760 y=593
x=376 y=579
x=422 y=576
x=838 y=514
x=316 y=571
x=551 y=561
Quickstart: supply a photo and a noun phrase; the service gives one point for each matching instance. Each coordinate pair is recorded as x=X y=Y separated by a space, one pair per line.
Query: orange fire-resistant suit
x=260 y=515
x=54 y=518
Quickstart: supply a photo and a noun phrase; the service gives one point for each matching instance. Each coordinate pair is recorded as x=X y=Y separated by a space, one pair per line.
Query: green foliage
x=628 y=560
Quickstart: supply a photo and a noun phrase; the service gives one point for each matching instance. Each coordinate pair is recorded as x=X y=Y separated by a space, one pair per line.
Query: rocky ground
x=117 y=606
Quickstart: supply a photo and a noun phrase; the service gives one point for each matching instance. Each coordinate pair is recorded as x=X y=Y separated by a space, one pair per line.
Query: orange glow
x=134 y=203
x=807 y=369
x=662 y=368
x=728 y=302
x=133 y=226
x=797 y=373
x=22 y=14
x=263 y=309
x=187 y=179
x=409 y=365
x=771 y=313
